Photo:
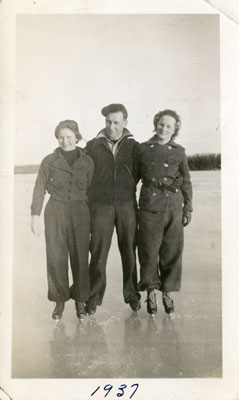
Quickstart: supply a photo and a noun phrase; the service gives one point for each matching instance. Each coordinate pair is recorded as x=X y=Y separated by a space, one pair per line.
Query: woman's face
x=67 y=139
x=166 y=128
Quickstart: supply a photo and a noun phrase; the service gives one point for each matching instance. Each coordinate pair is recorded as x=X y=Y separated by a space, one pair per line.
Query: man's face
x=114 y=125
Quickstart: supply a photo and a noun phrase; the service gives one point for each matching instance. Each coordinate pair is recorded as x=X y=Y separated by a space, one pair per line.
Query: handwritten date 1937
x=120 y=390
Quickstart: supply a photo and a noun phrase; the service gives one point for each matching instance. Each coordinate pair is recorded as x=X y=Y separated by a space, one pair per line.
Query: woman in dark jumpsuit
x=164 y=209
x=65 y=175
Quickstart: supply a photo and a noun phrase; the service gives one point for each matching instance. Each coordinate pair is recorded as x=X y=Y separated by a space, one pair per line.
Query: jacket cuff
x=35 y=212
x=188 y=208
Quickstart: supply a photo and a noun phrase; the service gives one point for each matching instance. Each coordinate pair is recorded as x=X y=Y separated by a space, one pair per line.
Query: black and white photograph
x=118 y=278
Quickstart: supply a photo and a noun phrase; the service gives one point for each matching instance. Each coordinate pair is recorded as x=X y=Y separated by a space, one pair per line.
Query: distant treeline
x=197 y=162
x=203 y=162
x=26 y=169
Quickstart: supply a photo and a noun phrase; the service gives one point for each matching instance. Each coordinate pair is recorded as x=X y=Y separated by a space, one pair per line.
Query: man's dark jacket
x=113 y=180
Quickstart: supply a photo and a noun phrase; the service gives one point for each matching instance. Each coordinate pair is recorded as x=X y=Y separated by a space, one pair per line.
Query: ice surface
x=116 y=342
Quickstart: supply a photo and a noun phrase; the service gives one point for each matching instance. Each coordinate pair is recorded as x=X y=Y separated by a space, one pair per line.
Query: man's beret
x=113 y=108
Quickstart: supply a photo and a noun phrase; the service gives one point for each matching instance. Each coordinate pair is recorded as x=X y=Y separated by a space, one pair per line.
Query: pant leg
x=78 y=233
x=56 y=250
x=151 y=230
x=126 y=227
x=102 y=227
x=170 y=254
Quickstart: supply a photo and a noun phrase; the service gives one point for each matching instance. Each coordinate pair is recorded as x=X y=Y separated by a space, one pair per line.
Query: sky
x=70 y=66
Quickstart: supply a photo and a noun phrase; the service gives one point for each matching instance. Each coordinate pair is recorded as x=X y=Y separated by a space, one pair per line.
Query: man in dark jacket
x=113 y=204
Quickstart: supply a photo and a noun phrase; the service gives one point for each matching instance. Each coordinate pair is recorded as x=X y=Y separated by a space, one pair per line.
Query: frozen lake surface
x=116 y=343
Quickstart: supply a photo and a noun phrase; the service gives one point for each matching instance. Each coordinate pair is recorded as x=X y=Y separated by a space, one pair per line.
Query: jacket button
x=166 y=165
x=153 y=194
x=170 y=147
x=165 y=179
x=152 y=145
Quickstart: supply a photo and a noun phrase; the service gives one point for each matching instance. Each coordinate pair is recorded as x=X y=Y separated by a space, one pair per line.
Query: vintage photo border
x=165 y=389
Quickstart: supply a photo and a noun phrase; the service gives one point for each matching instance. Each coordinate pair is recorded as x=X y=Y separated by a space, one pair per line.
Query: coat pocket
x=152 y=199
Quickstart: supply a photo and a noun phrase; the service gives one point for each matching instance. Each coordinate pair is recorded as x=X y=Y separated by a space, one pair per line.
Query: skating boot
x=90 y=307
x=135 y=305
x=58 y=311
x=151 y=302
x=168 y=303
x=80 y=310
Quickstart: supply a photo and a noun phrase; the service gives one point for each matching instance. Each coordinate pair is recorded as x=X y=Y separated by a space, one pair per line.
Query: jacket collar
x=155 y=141
x=61 y=163
x=102 y=134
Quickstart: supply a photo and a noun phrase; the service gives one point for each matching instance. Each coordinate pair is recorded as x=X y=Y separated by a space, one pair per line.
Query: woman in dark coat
x=164 y=209
x=65 y=175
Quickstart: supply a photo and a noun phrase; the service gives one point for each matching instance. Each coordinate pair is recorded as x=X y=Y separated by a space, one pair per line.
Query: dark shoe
x=58 y=311
x=80 y=309
x=90 y=307
x=135 y=305
x=168 y=303
x=151 y=302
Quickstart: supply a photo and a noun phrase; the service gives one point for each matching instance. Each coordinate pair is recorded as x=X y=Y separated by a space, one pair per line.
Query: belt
x=159 y=185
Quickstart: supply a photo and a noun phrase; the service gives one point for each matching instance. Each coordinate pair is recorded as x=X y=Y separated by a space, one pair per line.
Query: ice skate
x=151 y=302
x=58 y=310
x=168 y=303
x=90 y=307
x=80 y=310
x=135 y=305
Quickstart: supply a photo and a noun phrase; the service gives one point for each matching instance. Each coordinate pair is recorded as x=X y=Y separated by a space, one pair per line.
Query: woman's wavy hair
x=69 y=124
x=172 y=114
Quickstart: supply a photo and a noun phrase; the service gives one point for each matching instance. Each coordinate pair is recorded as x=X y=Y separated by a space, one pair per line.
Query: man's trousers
x=104 y=217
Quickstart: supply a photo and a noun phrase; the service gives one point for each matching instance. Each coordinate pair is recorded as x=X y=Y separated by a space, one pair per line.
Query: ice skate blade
x=151 y=316
x=171 y=315
x=82 y=317
x=81 y=321
x=58 y=321
x=56 y=318
x=134 y=314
